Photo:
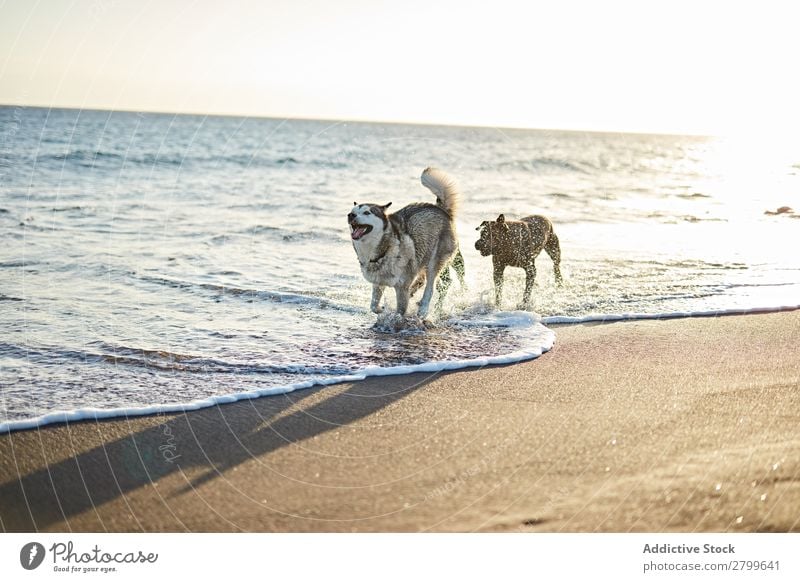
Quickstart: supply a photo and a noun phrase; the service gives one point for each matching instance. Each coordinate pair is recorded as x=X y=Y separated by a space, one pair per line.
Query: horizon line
x=376 y=121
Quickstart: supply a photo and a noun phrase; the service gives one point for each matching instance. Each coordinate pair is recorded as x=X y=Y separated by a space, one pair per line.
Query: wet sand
x=680 y=425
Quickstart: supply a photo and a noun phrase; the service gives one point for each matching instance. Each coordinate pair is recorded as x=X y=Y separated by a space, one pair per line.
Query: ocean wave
x=693 y=195
x=542 y=343
x=73 y=208
x=668 y=218
x=287 y=235
x=100 y=159
x=80 y=156
x=695 y=219
x=159 y=359
x=546 y=164
x=260 y=294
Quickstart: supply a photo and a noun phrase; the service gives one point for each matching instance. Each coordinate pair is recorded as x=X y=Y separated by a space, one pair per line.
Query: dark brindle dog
x=517 y=243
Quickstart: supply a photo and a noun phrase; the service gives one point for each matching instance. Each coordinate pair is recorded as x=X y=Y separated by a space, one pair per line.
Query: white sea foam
x=541 y=341
x=502 y=319
x=612 y=317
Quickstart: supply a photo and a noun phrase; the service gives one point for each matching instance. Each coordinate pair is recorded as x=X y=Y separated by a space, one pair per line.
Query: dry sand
x=680 y=425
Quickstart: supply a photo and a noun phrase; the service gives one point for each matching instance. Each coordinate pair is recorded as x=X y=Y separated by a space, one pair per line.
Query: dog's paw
x=428 y=324
x=377 y=309
x=392 y=322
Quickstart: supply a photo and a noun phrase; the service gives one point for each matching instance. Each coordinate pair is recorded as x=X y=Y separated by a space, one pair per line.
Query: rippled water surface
x=152 y=259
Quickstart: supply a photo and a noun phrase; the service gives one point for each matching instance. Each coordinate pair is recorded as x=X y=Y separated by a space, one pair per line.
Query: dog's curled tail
x=443 y=187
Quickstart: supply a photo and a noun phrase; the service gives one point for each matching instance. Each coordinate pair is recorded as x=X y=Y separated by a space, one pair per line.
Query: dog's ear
x=355 y=203
x=484 y=223
x=502 y=224
x=385 y=206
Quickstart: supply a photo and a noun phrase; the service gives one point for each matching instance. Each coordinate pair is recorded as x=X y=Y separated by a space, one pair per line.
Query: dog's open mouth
x=359 y=230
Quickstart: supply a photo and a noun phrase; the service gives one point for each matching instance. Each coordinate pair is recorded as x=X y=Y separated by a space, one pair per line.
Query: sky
x=606 y=65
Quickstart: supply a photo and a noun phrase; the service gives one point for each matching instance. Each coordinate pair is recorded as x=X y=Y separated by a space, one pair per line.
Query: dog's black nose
x=351 y=217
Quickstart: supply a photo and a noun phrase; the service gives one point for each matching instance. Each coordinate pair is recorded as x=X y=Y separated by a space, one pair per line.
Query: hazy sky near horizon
x=677 y=67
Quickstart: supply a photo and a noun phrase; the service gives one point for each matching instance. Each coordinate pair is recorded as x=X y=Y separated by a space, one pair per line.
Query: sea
x=159 y=263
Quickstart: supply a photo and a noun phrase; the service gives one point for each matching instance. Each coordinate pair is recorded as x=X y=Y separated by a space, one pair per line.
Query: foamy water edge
x=534 y=352
x=611 y=318
x=545 y=335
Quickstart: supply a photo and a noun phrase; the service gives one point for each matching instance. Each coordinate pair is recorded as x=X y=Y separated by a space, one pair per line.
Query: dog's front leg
x=530 y=277
x=375 y=304
x=499 y=268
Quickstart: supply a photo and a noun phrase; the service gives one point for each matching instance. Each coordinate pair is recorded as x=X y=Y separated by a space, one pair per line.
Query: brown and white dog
x=517 y=243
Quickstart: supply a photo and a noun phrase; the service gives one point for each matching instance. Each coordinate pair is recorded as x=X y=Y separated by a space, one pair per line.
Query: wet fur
x=408 y=248
x=517 y=243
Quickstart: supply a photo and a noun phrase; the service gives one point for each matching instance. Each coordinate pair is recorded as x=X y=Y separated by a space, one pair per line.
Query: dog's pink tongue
x=358 y=233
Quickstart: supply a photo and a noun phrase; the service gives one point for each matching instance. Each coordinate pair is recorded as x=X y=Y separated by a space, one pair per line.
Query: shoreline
x=647 y=425
x=60 y=417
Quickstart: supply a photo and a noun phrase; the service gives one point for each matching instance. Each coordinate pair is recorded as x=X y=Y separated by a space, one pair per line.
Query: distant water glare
x=158 y=262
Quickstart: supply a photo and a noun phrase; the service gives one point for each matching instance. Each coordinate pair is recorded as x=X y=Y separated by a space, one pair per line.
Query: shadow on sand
x=209 y=442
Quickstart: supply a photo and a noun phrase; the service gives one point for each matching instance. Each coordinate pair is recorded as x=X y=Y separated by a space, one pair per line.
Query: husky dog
x=517 y=243
x=410 y=246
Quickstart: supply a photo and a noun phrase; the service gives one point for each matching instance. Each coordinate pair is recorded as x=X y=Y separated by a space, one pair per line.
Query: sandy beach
x=679 y=425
